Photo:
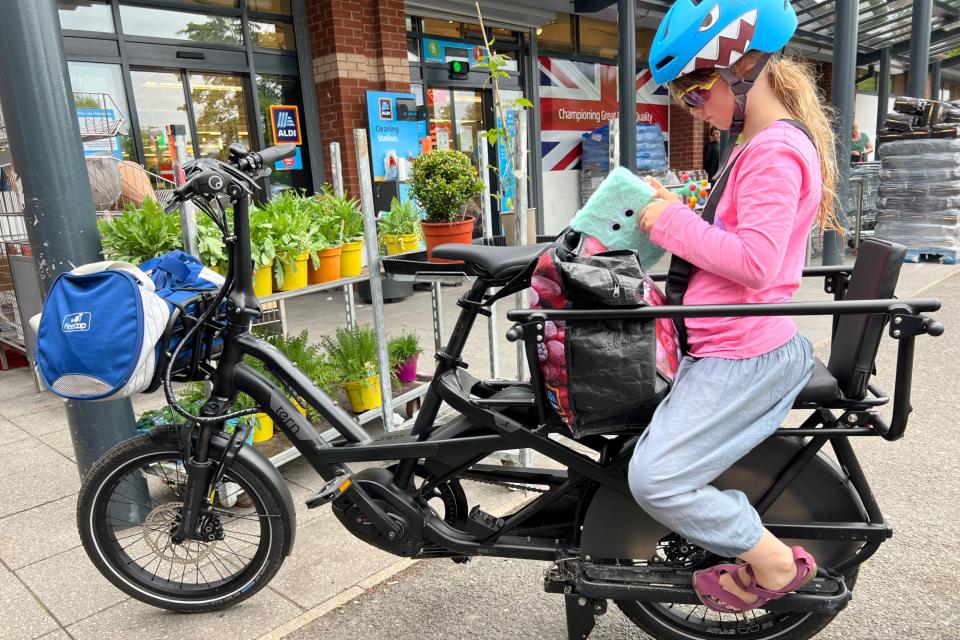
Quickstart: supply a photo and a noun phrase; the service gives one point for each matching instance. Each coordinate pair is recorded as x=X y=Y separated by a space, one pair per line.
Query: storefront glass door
x=218 y=103
x=160 y=101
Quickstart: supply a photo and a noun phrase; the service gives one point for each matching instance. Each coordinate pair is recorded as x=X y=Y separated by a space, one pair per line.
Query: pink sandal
x=706 y=584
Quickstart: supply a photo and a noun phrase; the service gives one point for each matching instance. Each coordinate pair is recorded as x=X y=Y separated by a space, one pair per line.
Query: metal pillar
x=492 y=334
x=376 y=279
x=919 y=48
x=936 y=80
x=883 y=88
x=520 y=217
x=188 y=210
x=311 y=114
x=336 y=169
x=536 y=159
x=627 y=21
x=842 y=89
x=37 y=103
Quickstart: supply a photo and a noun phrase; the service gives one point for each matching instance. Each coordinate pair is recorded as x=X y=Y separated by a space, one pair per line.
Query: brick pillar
x=357 y=45
x=687 y=137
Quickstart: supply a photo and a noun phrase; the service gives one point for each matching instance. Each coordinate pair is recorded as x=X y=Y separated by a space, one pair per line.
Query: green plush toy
x=611 y=215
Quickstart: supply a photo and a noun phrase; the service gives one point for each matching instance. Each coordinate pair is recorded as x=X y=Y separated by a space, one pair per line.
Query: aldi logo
x=76 y=322
x=285 y=120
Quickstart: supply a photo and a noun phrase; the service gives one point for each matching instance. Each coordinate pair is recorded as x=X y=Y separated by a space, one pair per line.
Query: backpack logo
x=76 y=321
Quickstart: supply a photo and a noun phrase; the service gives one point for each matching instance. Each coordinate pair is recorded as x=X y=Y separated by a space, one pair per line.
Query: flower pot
x=402 y=243
x=295 y=275
x=263 y=280
x=329 y=268
x=351 y=259
x=262 y=427
x=508 y=222
x=437 y=233
x=407 y=370
x=363 y=394
x=217 y=269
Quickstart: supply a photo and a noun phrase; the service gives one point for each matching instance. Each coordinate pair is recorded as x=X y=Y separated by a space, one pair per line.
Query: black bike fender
x=270 y=476
x=615 y=527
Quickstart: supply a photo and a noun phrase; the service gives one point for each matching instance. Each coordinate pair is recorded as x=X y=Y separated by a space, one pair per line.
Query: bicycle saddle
x=492 y=263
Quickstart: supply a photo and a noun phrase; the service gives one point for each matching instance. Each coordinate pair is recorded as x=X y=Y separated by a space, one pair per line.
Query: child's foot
x=730 y=588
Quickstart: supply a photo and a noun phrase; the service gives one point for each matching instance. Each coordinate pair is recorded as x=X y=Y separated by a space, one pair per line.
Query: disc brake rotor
x=158 y=529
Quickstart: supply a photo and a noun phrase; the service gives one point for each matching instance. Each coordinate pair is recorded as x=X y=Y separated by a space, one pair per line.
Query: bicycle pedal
x=482 y=523
x=330 y=491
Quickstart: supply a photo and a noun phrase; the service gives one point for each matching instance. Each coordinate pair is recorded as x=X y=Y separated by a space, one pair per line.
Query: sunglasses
x=697 y=95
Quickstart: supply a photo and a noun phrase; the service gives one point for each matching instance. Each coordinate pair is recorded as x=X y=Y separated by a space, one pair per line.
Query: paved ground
x=48 y=588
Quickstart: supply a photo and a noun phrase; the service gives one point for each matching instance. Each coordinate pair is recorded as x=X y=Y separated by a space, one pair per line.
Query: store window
x=556 y=35
x=181 y=25
x=472 y=32
x=436 y=27
x=83 y=15
x=413 y=50
x=644 y=42
x=101 y=101
x=220 y=110
x=270 y=6
x=231 y=4
x=284 y=90
x=272 y=34
x=160 y=102
x=598 y=38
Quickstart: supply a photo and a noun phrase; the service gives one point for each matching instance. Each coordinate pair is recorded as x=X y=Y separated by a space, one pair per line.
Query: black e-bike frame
x=503 y=424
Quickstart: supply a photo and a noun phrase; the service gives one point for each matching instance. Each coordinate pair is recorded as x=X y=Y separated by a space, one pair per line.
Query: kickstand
x=582 y=615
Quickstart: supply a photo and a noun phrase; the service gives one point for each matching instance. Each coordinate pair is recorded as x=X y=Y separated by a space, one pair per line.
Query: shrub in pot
x=291 y=231
x=443 y=181
x=327 y=232
x=353 y=354
x=262 y=250
x=404 y=351
x=400 y=230
x=348 y=211
x=140 y=233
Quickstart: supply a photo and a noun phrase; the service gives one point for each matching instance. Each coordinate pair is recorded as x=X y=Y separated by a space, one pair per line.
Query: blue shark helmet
x=698 y=34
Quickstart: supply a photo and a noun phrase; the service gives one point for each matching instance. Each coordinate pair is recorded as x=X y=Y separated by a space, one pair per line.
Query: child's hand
x=652 y=212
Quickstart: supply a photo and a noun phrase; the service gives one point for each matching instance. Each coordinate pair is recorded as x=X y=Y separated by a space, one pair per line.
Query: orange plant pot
x=437 y=233
x=329 y=268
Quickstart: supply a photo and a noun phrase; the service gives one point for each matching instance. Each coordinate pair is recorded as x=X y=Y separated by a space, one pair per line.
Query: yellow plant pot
x=402 y=243
x=217 y=269
x=351 y=262
x=295 y=276
x=262 y=427
x=329 y=268
x=364 y=394
x=296 y=404
x=263 y=280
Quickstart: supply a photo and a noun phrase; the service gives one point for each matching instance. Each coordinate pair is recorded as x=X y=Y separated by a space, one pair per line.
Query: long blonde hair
x=793 y=82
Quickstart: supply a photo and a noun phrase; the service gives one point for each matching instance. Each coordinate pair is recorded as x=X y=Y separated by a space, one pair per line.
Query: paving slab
x=38 y=533
x=28 y=619
x=34 y=474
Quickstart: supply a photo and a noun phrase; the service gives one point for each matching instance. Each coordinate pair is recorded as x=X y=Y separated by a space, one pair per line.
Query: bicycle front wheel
x=130 y=506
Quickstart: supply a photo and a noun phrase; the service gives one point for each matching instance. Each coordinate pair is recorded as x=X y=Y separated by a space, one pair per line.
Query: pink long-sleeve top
x=754 y=252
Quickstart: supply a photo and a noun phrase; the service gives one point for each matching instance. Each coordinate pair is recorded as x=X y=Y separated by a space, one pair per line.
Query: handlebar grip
x=271 y=154
x=933 y=327
x=514 y=333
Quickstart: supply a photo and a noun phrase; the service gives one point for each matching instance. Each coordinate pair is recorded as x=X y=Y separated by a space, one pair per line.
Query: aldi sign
x=285 y=120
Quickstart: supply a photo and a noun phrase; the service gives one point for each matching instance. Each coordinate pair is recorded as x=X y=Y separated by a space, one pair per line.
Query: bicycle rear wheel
x=130 y=505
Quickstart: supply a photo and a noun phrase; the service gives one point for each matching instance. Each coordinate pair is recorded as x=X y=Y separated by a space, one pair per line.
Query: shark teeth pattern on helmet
x=726 y=47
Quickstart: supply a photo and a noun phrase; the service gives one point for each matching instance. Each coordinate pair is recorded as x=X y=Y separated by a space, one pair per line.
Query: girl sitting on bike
x=740 y=376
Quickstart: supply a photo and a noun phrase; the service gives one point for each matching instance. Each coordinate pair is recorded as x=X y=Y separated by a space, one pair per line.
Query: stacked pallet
x=919 y=119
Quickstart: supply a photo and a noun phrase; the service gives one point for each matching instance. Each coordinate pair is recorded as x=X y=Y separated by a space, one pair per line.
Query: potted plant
x=404 y=350
x=292 y=239
x=400 y=229
x=262 y=251
x=348 y=210
x=327 y=233
x=140 y=233
x=353 y=354
x=213 y=253
x=443 y=181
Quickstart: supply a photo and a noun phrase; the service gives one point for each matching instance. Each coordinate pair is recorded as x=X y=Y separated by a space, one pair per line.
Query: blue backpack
x=106 y=327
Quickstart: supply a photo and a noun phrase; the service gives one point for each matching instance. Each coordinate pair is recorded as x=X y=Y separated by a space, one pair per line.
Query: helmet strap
x=740 y=87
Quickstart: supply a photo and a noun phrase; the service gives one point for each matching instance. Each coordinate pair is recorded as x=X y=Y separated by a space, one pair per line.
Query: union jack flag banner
x=576 y=97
